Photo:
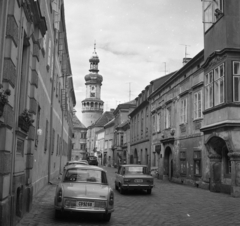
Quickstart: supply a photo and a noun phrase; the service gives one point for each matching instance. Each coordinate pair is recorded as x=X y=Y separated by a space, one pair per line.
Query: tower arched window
x=91 y=104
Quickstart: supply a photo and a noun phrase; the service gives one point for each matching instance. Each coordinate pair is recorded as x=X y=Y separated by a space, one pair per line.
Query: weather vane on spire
x=94 y=46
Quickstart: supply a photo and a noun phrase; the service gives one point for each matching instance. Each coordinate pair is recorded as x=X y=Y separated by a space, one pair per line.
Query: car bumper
x=136 y=186
x=94 y=210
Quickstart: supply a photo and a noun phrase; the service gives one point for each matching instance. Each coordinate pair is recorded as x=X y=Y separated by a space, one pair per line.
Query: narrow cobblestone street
x=170 y=204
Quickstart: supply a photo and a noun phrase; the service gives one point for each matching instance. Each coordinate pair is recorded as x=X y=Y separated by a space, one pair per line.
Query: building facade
x=106 y=117
x=92 y=105
x=176 y=116
x=220 y=126
x=121 y=115
x=108 y=142
x=100 y=146
x=37 y=98
x=195 y=113
x=79 y=140
x=140 y=119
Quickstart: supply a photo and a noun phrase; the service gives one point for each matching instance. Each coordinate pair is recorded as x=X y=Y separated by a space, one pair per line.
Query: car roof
x=133 y=165
x=85 y=167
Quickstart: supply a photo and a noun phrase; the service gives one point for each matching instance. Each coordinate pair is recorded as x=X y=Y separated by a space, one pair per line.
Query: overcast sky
x=133 y=40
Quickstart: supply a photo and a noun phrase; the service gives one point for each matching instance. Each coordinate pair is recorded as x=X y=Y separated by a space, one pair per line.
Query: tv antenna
x=129 y=91
x=165 y=68
x=185 y=49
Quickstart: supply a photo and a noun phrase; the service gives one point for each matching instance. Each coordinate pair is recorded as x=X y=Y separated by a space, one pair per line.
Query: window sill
x=197 y=119
x=220 y=106
x=183 y=124
x=227 y=175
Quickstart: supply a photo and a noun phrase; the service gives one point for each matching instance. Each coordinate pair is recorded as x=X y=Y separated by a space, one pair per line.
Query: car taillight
x=59 y=196
x=111 y=199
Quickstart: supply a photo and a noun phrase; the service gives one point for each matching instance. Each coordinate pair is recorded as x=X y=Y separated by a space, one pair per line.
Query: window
x=46 y=137
x=106 y=144
x=121 y=140
x=197 y=163
x=168 y=117
x=236 y=81
x=142 y=123
x=57 y=151
x=154 y=123
x=183 y=162
x=49 y=54
x=197 y=105
x=209 y=90
x=53 y=140
x=219 y=85
x=37 y=126
x=158 y=122
x=212 y=11
x=57 y=80
x=146 y=122
x=183 y=116
x=214 y=95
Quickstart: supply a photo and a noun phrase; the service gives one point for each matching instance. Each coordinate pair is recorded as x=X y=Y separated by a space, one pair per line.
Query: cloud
x=134 y=41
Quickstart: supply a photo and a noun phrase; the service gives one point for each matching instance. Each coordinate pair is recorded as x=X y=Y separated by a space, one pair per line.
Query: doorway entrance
x=168 y=163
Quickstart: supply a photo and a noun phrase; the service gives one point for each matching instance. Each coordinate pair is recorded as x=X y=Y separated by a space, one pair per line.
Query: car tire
x=58 y=214
x=120 y=189
x=149 y=191
x=107 y=217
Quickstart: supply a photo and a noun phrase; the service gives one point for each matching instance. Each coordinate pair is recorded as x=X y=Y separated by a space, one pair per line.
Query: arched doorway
x=135 y=157
x=168 y=163
x=220 y=165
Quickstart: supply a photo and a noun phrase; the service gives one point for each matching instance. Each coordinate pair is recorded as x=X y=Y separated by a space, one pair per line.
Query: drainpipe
x=61 y=151
x=16 y=106
x=51 y=107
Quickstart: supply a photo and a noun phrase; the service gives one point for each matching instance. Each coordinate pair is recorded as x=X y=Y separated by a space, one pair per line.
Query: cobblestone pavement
x=169 y=205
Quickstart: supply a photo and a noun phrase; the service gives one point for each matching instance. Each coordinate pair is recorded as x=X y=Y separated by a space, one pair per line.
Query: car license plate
x=85 y=205
x=138 y=180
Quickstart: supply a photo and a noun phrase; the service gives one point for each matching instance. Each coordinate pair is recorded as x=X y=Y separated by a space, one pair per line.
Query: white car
x=84 y=188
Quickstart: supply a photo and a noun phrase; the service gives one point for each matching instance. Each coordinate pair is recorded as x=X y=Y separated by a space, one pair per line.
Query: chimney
x=186 y=60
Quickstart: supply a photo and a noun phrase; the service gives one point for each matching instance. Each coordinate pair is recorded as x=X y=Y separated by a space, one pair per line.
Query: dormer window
x=212 y=11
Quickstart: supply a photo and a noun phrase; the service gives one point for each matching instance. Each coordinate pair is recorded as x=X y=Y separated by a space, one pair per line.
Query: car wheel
x=58 y=214
x=107 y=217
x=149 y=191
x=121 y=190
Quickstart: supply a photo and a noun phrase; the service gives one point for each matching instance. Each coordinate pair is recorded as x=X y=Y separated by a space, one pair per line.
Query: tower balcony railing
x=91 y=108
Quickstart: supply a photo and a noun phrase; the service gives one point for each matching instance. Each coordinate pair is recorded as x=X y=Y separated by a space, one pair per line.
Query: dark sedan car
x=92 y=160
x=133 y=177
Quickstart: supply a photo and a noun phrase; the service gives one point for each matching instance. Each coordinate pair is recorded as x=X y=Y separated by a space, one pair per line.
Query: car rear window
x=136 y=170
x=85 y=175
x=92 y=158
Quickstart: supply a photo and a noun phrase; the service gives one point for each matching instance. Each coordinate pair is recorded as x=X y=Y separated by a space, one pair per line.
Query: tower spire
x=94 y=46
x=94 y=60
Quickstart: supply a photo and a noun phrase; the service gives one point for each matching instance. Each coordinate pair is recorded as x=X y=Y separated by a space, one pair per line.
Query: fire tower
x=92 y=105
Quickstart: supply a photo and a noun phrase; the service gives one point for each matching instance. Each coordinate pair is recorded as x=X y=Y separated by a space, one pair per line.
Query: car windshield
x=85 y=175
x=136 y=170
